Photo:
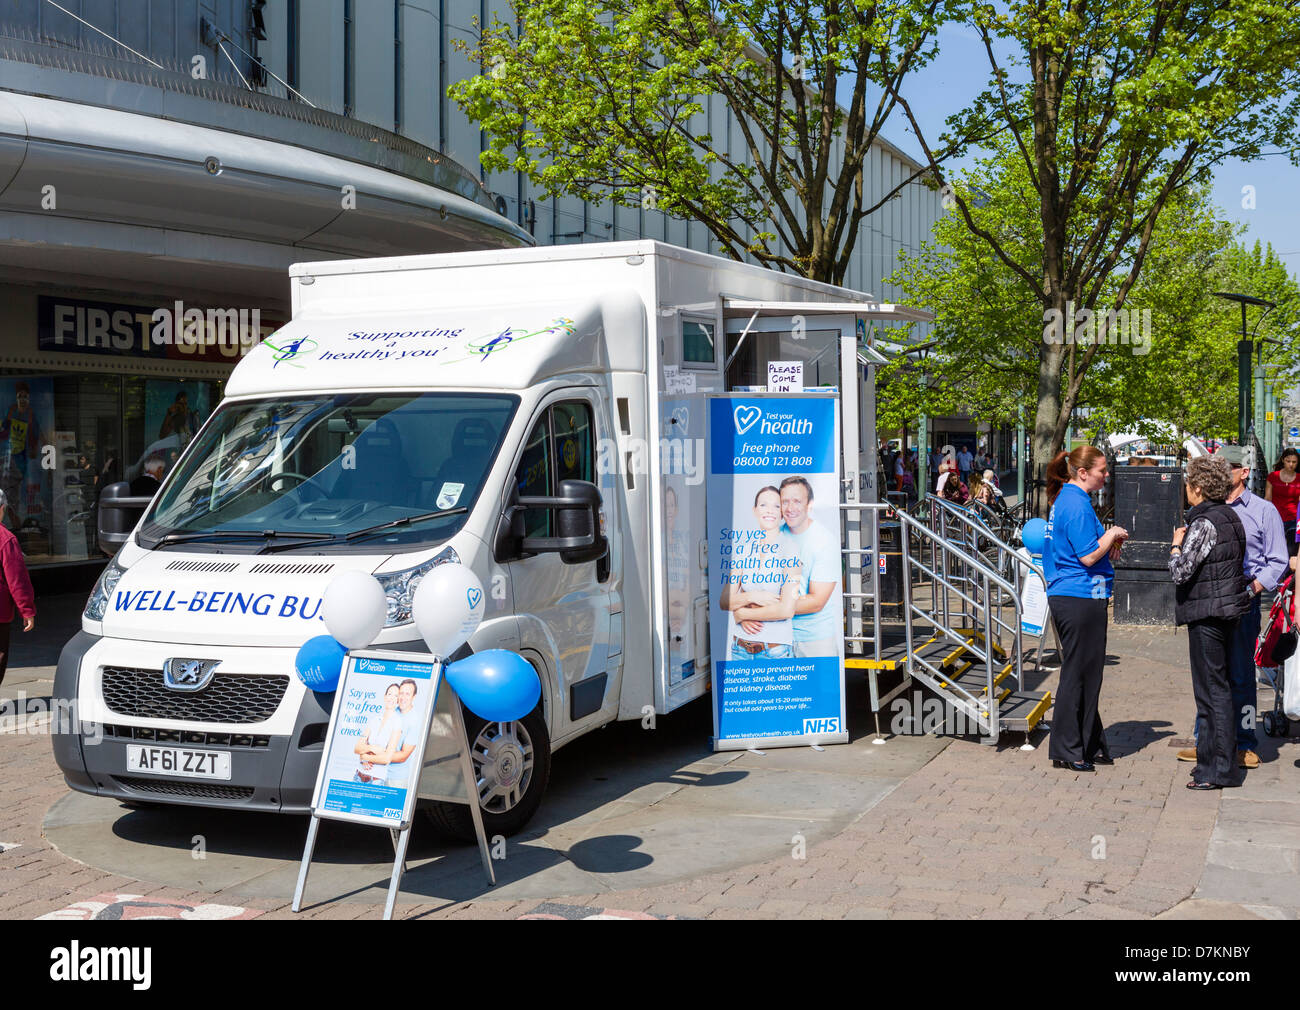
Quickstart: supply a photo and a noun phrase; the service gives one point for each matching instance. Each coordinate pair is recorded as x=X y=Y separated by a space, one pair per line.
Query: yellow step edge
x=1038 y=711
x=872 y=664
x=965 y=667
x=953 y=656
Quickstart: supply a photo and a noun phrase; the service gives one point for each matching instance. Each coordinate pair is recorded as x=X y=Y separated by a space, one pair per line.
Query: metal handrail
x=970 y=529
x=957 y=568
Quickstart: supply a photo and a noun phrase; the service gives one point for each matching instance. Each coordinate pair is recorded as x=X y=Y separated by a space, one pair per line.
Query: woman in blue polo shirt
x=1077 y=560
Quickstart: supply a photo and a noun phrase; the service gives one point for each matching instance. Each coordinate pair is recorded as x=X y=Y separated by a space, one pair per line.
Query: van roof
x=571 y=253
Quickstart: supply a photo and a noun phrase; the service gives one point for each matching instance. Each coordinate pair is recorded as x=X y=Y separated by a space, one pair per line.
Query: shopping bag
x=1291 y=688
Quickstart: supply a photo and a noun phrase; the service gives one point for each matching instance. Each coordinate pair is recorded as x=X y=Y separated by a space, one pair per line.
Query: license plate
x=178 y=762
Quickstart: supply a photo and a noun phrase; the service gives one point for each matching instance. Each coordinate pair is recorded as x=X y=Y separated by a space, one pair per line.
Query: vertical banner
x=776 y=613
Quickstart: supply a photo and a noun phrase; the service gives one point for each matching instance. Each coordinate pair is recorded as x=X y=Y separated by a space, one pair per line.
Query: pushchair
x=1277 y=643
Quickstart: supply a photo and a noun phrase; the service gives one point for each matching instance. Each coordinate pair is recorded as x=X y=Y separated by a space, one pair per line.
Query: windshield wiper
x=179 y=538
x=405 y=521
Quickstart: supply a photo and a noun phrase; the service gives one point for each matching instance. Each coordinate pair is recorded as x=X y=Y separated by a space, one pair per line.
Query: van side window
x=571 y=423
x=533 y=478
x=561 y=446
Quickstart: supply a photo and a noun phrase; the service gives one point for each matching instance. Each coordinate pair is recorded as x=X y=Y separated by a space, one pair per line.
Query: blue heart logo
x=473 y=595
x=746 y=418
x=682 y=416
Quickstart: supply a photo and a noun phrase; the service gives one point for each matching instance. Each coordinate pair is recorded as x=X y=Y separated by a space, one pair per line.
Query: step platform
x=1019 y=711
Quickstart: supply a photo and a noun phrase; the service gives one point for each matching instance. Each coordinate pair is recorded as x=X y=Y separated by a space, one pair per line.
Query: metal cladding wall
x=402 y=55
x=384 y=66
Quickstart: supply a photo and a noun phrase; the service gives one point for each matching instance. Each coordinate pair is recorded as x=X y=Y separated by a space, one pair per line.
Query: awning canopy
x=733 y=308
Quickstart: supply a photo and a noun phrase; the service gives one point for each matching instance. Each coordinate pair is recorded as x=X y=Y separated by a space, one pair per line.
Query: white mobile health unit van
x=506 y=410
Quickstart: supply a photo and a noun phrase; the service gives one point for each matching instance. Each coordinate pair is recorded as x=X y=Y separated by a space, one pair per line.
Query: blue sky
x=961 y=70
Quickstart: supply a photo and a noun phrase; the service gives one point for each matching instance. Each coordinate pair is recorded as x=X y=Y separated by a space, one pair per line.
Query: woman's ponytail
x=1058 y=475
x=1064 y=465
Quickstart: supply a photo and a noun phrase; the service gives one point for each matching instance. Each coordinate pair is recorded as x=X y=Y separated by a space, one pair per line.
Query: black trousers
x=1216 y=742
x=1077 y=734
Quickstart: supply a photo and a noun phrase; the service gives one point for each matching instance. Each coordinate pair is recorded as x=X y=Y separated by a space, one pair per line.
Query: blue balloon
x=319 y=663
x=496 y=685
x=1034 y=536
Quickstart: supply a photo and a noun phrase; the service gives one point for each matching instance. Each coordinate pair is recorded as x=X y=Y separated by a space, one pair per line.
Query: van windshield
x=315 y=470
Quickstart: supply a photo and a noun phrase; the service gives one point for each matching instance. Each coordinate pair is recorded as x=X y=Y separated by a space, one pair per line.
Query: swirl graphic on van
x=285 y=352
x=511 y=335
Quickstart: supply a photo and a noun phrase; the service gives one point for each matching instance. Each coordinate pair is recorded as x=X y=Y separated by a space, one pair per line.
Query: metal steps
x=961 y=621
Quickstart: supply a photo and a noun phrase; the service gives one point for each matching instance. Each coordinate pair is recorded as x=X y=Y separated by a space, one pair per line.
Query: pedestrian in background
x=15 y=588
x=964 y=463
x=1284 y=491
x=1078 y=558
x=1207 y=562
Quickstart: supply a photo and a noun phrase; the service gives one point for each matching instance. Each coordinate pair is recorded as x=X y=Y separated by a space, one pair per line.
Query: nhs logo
x=831 y=725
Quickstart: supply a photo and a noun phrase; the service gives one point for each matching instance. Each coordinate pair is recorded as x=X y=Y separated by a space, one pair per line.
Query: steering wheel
x=302 y=480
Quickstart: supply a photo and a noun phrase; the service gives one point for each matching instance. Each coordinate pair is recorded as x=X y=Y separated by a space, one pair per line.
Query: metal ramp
x=957 y=626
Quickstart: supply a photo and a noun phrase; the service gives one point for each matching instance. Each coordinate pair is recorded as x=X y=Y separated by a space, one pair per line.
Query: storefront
x=97 y=388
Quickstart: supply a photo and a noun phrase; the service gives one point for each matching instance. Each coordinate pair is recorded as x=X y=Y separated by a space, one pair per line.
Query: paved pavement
x=959 y=830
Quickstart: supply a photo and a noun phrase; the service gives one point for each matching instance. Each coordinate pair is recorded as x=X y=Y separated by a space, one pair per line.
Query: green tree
x=604 y=99
x=1114 y=107
x=1173 y=361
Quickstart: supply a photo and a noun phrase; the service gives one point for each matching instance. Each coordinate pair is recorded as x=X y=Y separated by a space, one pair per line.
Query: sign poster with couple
x=775 y=571
x=376 y=741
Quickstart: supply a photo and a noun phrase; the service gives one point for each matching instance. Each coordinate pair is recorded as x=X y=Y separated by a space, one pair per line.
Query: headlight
x=104 y=587
x=400 y=586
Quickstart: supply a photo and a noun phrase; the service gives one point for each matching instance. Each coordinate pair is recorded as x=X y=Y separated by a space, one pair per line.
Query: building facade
x=162 y=162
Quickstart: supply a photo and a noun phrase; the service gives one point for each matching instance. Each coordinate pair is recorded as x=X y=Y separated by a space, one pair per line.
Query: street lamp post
x=1244 y=347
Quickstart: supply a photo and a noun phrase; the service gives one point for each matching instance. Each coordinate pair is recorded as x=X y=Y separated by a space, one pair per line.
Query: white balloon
x=448 y=606
x=355 y=609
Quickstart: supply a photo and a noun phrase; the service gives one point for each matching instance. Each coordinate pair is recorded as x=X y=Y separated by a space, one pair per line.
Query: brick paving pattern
x=979 y=832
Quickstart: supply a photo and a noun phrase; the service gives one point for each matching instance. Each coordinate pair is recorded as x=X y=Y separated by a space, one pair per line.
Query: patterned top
x=1199 y=540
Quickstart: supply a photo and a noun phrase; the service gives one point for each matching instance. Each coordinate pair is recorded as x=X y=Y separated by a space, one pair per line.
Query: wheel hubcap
x=503 y=765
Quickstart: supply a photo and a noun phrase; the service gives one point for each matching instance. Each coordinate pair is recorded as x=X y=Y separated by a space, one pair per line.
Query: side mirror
x=577 y=525
x=119 y=512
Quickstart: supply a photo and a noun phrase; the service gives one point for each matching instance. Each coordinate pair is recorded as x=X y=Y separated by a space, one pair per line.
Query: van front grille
x=154 y=735
x=229 y=698
x=192 y=790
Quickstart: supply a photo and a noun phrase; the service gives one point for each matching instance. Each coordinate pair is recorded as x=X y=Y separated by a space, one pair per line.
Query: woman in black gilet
x=1206 y=563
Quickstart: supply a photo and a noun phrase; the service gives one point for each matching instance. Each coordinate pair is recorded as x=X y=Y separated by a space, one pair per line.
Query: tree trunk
x=1046 y=444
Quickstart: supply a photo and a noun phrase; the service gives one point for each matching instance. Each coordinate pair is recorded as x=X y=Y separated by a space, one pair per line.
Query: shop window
x=66 y=437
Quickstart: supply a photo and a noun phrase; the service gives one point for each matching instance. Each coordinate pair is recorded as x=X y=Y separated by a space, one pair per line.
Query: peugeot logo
x=189 y=674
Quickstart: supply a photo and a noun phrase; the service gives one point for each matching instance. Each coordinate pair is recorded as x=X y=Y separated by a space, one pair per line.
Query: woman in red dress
x=1284 y=492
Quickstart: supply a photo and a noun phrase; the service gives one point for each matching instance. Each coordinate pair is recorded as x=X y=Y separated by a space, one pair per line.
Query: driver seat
x=381 y=472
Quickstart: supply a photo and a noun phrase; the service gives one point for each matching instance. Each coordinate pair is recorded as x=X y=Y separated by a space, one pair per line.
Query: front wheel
x=512 y=765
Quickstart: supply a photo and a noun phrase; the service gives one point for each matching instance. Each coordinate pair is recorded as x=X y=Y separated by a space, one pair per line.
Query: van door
x=564 y=610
